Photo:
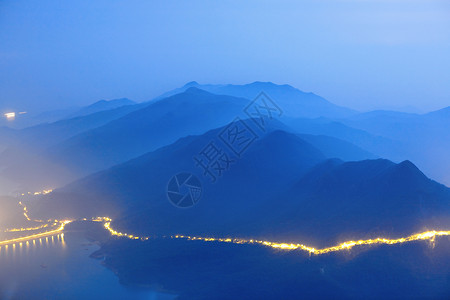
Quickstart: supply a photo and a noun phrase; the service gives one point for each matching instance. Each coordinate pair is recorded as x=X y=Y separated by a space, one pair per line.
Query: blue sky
x=364 y=54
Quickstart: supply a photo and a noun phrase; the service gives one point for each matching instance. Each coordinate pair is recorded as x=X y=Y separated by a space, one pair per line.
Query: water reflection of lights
x=45 y=234
x=427 y=235
x=26 y=246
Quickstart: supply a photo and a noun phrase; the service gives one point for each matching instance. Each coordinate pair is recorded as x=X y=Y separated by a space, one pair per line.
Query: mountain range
x=299 y=192
x=316 y=162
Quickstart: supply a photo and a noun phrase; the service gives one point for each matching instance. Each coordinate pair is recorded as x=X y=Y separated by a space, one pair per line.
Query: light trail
x=107 y=225
x=25 y=211
x=27 y=228
x=43 y=192
x=428 y=235
x=61 y=227
x=37 y=235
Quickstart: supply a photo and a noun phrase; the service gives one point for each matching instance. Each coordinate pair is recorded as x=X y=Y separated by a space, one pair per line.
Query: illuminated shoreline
x=46 y=233
x=423 y=236
x=427 y=235
x=37 y=235
x=26 y=229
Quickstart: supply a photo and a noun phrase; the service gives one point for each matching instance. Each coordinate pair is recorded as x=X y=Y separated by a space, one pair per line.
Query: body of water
x=59 y=267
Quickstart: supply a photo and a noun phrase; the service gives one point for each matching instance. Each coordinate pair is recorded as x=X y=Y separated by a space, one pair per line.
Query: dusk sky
x=362 y=54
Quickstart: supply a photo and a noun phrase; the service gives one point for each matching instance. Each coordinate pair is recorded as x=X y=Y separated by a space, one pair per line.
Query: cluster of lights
x=428 y=235
x=12 y=115
x=27 y=229
x=116 y=233
x=37 y=235
x=33 y=241
x=52 y=223
x=43 y=192
x=61 y=227
x=25 y=214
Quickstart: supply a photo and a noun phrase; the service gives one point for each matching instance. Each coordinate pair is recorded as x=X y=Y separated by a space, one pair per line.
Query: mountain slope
x=292 y=101
x=24 y=155
x=47 y=134
x=424 y=139
x=102 y=105
x=342 y=200
x=280 y=189
x=139 y=186
x=158 y=124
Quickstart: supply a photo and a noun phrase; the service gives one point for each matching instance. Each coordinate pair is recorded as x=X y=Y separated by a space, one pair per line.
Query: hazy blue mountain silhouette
x=26 y=154
x=148 y=175
x=342 y=200
x=48 y=134
x=71 y=148
x=376 y=144
x=101 y=105
x=333 y=147
x=424 y=139
x=441 y=113
x=158 y=124
x=32 y=119
x=292 y=101
x=97 y=141
x=282 y=188
x=395 y=135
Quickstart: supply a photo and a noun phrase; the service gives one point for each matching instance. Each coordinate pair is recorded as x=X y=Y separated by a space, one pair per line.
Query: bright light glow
x=428 y=235
x=43 y=192
x=27 y=228
x=10 y=115
x=38 y=235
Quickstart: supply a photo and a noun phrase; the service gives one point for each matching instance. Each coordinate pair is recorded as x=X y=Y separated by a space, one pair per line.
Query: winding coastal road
x=423 y=236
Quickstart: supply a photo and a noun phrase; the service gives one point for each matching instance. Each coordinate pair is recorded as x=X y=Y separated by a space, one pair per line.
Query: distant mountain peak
x=196 y=91
x=406 y=167
x=119 y=100
x=191 y=84
x=408 y=164
x=101 y=105
x=262 y=82
x=271 y=84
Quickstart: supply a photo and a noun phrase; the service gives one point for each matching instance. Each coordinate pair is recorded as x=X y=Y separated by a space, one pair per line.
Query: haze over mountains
x=308 y=171
x=118 y=130
x=281 y=179
x=136 y=148
x=294 y=102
